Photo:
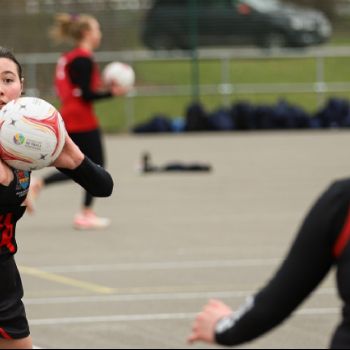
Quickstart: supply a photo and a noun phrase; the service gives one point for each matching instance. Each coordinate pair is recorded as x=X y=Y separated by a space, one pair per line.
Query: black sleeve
x=308 y=262
x=80 y=71
x=92 y=177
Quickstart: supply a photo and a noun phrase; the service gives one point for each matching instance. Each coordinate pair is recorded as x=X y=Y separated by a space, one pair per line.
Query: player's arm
x=92 y=177
x=6 y=175
x=80 y=71
x=307 y=263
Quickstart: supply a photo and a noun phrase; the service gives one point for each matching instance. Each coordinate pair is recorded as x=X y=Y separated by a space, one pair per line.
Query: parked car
x=265 y=23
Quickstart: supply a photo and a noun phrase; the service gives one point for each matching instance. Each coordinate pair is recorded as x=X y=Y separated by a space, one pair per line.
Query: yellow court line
x=91 y=287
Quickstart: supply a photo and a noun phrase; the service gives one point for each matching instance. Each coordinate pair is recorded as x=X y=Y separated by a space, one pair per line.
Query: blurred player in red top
x=78 y=85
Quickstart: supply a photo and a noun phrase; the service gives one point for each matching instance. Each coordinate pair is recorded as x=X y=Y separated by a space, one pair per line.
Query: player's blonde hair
x=69 y=28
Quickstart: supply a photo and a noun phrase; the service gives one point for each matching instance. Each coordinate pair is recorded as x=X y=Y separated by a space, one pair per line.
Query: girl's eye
x=8 y=81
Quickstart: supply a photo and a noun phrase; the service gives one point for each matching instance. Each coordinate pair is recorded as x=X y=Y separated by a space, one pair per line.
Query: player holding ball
x=79 y=85
x=14 y=184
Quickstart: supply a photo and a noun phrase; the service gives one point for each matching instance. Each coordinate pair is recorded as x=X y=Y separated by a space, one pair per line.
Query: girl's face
x=94 y=34
x=11 y=85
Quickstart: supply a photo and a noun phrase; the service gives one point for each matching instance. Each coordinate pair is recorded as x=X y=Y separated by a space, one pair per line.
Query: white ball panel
x=29 y=127
x=121 y=73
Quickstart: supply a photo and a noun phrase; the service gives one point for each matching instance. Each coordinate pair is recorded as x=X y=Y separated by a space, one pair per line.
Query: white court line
x=151 y=297
x=113 y=318
x=156 y=317
x=319 y=311
x=164 y=265
x=134 y=297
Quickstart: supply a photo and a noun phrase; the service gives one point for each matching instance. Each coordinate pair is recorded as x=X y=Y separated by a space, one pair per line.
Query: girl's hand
x=203 y=329
x=118 y=90
x=71 y=156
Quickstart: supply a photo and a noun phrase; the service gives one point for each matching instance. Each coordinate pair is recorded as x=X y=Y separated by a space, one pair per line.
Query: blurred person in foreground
x=322 y=243
x=14 y=184
x=78 y=84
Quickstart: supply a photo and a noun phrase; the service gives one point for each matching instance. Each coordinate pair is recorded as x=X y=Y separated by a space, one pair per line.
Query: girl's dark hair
x=6 y=53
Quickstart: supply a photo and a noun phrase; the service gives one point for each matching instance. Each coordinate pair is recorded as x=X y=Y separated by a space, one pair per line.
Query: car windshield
x=263 y=5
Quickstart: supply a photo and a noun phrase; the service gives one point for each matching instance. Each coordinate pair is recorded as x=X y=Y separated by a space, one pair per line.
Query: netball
x=119 y=73
x=32 y=134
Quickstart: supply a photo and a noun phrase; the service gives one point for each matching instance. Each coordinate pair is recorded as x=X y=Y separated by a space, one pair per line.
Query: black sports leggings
x=90 y=143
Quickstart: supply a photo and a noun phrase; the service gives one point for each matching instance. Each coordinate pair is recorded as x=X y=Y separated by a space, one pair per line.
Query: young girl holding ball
x=14 y=329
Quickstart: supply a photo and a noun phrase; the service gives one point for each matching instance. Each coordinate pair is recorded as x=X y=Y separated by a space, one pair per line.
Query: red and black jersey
x=323 y=242
x=78 y=84
x=93 y=178
x=13 y=320
x=11 y=198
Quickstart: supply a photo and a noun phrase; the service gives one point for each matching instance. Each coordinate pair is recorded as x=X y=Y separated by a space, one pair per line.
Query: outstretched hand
x=204 y=325
x=118 y=90
x=71 y=156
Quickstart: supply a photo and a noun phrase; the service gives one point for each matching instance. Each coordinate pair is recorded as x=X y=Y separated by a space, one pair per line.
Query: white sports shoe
x=90 y=221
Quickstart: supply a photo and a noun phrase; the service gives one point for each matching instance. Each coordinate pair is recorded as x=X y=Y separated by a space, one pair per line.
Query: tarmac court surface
x=178 y=240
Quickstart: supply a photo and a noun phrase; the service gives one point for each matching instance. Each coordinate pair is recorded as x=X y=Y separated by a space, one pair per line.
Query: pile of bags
x=245 y=116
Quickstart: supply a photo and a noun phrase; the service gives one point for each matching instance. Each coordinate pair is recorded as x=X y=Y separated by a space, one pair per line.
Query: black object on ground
x=174 y=167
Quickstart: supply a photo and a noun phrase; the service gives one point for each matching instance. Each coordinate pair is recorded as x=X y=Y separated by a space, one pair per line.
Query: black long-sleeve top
x=322 y=242
x=80 y=71
x=93 y=178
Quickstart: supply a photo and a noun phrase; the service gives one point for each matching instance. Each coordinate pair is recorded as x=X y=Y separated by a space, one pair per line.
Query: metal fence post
x=129 y=110
x=193 y=21
x=31 y=80
x=321 y=86
x=226 y=86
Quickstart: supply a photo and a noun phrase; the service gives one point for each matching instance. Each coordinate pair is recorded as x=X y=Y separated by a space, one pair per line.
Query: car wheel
x=274 y=40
